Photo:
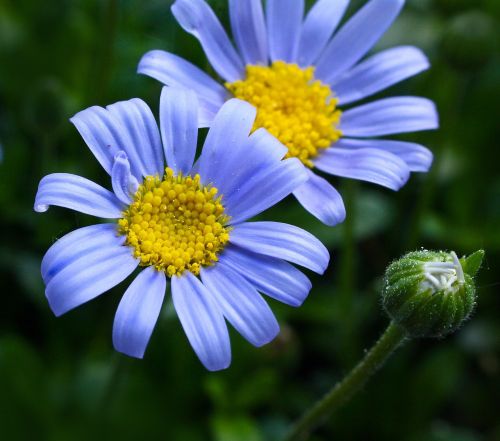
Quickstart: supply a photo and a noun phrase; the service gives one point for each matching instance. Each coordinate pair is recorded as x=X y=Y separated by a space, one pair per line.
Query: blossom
x=184 y=224
x=302 y=76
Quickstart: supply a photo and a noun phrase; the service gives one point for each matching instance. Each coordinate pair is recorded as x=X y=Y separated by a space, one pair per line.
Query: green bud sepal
x=429 y=293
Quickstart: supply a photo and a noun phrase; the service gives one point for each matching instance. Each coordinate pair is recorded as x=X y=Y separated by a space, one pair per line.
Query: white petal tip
x=40 y=208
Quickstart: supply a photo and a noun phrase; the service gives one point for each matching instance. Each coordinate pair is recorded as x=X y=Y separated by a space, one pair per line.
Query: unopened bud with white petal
x=431 y=293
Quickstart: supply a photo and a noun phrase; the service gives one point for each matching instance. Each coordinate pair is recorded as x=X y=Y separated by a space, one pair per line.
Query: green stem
x=352 y=382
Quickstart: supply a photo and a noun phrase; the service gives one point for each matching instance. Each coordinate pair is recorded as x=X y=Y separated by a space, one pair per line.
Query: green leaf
x=230 y=428
x=472 y=263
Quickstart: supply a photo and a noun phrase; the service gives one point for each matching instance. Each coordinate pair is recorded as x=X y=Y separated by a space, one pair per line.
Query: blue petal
x=197 y=18
x=266 y=146
x=202 y=321
x=249 y=30
x=141 y=138
x=258 y=151
x=380 y=72
x=283 y=241
x=318 y=27
x=225 y=139
x=177 y=72
x=76 y=245
x=356 y=38
x=271 y=276
x=123 y=182
x=284 y=21
x=321 y=200
x=138 y=312
x=127 y=126
x=179 y=127
x=417 y=157
x=266 y=187
x=101 y=133
x=241 y=304
x=372 y=165
x=88 y=274
x=77 y=193
x=390 y=116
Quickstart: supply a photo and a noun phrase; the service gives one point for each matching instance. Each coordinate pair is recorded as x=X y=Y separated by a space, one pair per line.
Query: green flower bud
x=429 y=293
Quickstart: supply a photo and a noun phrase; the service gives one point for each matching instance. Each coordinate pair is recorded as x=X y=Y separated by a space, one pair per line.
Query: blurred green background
x=60 y=378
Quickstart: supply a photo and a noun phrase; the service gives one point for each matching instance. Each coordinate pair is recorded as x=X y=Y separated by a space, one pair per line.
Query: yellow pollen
x=293 y=106
x=175 y=224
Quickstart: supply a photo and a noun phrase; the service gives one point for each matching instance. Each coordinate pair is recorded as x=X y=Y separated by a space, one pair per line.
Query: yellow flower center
x=293 y=106
x=175 y=224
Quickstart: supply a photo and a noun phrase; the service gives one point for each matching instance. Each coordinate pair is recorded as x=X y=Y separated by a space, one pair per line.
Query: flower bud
x=431 y=293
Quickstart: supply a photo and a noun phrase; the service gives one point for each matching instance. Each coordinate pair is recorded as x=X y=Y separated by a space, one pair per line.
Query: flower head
x=183 y=222
x=299 y=110
x=429 y=293
x=302 y=75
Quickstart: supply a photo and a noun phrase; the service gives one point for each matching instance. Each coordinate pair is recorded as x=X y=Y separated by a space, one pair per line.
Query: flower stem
x=390 y=340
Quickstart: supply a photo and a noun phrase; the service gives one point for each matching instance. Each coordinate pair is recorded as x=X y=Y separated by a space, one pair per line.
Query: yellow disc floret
x=293 y=106
x=175 y=224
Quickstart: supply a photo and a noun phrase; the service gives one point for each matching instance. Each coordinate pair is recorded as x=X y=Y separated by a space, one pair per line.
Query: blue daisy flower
x=184 y=224
x=300 y=75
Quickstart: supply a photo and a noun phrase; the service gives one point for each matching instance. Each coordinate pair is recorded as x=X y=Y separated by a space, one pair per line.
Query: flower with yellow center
x=175 y=224
x=186 y=222
x=300 y=72
x=293 y=106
